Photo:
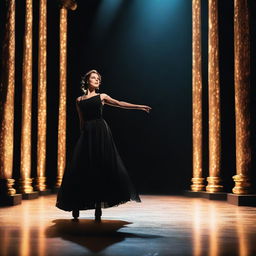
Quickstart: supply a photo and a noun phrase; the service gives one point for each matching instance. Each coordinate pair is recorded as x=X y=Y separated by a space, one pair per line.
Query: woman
x=96 y=177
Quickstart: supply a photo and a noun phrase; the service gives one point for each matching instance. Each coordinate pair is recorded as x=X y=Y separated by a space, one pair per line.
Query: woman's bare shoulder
x=103 y=96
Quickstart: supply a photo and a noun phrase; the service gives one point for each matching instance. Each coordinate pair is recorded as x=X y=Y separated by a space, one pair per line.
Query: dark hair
x=85 y=79
x=68 y=4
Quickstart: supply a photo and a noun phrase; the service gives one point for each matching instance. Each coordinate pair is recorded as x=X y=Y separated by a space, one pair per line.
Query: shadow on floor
x=90 y=234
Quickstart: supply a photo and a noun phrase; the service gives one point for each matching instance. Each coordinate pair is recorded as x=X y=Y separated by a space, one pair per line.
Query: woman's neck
x=91 y=93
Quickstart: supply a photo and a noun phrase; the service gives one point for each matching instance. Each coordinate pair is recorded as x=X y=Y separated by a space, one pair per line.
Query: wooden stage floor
x=160 y=225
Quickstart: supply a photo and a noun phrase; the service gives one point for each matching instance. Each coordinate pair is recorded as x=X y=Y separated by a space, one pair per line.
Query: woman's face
x=94 y=81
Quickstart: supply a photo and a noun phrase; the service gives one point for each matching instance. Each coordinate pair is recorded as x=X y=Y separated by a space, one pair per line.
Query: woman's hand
x=145 y=108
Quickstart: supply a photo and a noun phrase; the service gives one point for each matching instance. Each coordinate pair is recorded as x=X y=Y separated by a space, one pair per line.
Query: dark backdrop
x=143 y=49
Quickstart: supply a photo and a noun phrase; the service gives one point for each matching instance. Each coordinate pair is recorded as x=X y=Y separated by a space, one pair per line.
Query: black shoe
x=75 y=214
x=97 y=219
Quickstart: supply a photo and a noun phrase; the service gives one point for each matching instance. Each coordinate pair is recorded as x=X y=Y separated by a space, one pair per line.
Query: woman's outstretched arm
x=122 y=104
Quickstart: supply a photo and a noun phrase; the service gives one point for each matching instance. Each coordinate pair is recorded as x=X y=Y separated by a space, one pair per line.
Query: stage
x=160 y=225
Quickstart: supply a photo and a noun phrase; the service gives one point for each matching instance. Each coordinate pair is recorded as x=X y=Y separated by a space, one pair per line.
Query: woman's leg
x=75 y=214
x=98 y=212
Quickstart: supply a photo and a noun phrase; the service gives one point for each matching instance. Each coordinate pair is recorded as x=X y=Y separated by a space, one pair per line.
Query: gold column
x=197 y=180
x=7 y=103
x=214 y=100
x=65 y=4
x=25 y=165
x=42 y=98
x=62 y=97
x=242 y=96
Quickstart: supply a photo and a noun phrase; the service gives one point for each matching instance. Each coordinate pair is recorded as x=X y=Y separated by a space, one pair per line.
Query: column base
x=214 y=195
x=10 y=200
x=242 y=200
x=191 y=193
x=214 y=185
x=242 y=185
x=197 y=184
x=31 y=195
x=44 y=192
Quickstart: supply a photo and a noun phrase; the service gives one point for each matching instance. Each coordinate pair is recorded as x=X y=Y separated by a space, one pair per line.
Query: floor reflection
x=213 y=230
x=197 y=236
x=164 y=226
x=243 y=234
x=25 y=232
x=221 y=230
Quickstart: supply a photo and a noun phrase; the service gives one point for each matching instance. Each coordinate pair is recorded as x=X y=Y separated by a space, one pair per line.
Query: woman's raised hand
x=145 y=108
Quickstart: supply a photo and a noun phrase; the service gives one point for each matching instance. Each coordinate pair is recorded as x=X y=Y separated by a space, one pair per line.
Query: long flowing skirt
x=95 y=173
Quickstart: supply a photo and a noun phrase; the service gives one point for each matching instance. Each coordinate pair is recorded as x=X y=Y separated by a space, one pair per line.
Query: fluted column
x=42 y=98
x=25 y=165
x=214 y=100
x=242 y=96
x=197 y=180
x=7 y=103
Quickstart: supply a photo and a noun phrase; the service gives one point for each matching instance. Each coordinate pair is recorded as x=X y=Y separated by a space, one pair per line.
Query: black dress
x=96 y=172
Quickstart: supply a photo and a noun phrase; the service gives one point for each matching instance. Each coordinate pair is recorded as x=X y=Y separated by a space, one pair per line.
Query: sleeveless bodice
x=90 y=108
